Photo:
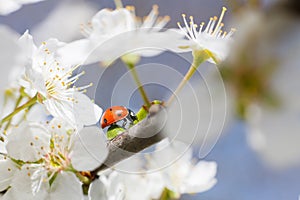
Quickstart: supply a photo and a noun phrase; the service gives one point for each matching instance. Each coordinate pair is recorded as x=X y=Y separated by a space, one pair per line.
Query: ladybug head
x=132 y=115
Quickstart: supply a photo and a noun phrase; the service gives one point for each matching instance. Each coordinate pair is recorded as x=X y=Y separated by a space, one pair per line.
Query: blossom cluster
x=50 y=140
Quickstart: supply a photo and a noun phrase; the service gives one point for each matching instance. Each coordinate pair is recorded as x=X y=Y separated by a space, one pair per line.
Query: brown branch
x=135 y=139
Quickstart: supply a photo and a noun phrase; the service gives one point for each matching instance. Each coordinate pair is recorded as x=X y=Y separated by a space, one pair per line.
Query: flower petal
x=23 y=185
x=27 y=45
x=54 y=22
x=97 y=190
x=28 y=142
x=79 y=113
x=201 y=178
x=66 y=186
x=89 y=150
x=85 y=111
x=7 y=169
x=108 y=23
x=8 y=6
x=76 y=52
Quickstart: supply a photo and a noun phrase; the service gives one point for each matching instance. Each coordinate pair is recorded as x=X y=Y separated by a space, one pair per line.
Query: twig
x=135 y=139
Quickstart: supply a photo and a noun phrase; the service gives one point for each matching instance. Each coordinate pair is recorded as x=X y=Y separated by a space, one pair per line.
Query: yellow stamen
x=221 y=18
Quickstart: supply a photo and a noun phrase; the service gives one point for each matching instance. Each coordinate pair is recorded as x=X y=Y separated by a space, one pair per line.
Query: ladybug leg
x=124 y=122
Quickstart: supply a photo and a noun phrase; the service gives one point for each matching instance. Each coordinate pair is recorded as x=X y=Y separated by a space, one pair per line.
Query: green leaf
x=113 y=131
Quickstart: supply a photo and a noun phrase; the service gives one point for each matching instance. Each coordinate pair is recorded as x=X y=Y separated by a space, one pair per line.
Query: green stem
x=199 y=57
x=83 y=179
x=16 y=106
x=118 y=3
x=135 y=76
x=18 y=109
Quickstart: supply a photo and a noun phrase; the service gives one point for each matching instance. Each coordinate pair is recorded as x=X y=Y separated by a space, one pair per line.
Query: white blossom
x=26 y=184
x=51 y=153
x=84 y=11
x=120 y=185
x=110 y=28
x=170 y=167
x=179 y=173
x=210 y=37
x=53 y=82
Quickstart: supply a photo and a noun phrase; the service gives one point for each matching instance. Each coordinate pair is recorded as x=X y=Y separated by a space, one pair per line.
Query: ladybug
x=115 y=114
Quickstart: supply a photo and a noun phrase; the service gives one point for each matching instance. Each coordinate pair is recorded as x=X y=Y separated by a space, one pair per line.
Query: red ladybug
x=115 y=114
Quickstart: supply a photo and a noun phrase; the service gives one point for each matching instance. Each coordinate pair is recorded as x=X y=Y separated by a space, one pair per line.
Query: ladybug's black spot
x=105 y=121
x=110 y=109
x=119 y=114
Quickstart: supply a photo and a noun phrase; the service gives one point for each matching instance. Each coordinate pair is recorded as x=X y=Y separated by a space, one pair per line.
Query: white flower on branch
x=210 y=37
x=118 y=185
x=46 y=159
x=110 y=28
x=52 y=80
x=179 y=173
x=170 y=169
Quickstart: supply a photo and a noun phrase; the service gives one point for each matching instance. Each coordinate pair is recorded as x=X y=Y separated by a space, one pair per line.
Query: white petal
x=85 y=111
x=76 y=52
x=167 y=153
x=79 y=113
x=66 y=186
x=89 y=150
x=2 y=147
x=27 y=45
x=53 y=22
x=201 y=178
x=115 y=187
x=155 y=185
x=52 y=45
x=132 y=164
x=60 y=109
x=27 y=141
x=23 y=185
x=35 y=83
x=37 y=113
x=156 y=43
x=97 y=190
x=7 y=168
x=136 y=42
x=110 y=23
x=8 y=6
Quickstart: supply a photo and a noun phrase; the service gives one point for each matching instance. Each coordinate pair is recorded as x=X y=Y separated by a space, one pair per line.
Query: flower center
x=59 y=80
x=57 y=158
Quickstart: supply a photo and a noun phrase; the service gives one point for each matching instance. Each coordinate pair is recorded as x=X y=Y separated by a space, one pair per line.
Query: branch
x=135 y=139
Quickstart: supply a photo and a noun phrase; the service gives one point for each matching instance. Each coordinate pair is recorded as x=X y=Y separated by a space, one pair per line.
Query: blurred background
x=256 y=90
